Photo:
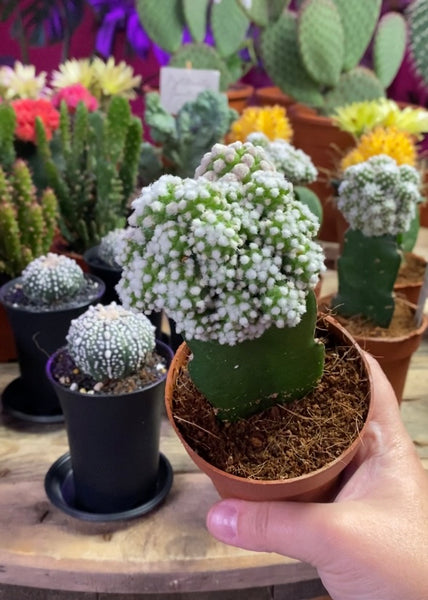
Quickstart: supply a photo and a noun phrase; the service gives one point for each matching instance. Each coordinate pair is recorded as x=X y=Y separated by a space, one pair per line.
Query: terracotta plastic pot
x=412 y=289
x=272 y=95
x=325 y=143
x=393 y=354
x=317 y=486
x=239 y=96
x=7 y=342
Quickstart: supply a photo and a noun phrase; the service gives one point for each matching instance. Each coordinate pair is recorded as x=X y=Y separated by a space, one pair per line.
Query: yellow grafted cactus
x=397 y=144
x=270 y=120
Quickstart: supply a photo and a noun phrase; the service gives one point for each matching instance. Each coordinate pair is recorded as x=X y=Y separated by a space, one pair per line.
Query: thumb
x=293 y=529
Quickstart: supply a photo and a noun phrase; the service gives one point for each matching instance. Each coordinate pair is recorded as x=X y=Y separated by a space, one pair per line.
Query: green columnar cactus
x=110 y=342
x=108 y=246
x=27 y=226
x=231 y=257
x=52 y=278
x=95 y=170
x=166 y=20
x=192 y=132
x=313 y=54
x=418 y=36
x=378 y=199
x=7 y=136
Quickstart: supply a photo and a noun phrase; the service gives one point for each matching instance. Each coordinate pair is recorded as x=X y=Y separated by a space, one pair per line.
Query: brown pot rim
x=308 y=481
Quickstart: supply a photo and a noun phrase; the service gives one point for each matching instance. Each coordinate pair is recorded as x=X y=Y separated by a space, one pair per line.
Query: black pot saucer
x=17 y=403
x=59 y=487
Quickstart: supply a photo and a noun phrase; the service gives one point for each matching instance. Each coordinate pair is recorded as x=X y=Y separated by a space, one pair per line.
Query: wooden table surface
x=168 y=550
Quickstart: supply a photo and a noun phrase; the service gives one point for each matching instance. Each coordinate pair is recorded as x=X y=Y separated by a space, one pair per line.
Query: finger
x=289 y=528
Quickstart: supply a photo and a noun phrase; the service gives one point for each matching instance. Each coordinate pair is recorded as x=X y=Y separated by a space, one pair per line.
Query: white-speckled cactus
x=52 y=278
x=231 y=257
x=295 y=164
x=110 y=342
x=378 y=199
x=108 y=247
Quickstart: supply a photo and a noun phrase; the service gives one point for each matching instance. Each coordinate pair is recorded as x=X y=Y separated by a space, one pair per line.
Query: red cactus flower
x=72 y=95
x=27 y=110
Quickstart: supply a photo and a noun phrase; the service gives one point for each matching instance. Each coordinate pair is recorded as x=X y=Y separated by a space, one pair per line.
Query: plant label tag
x=178 y=86
x=423 y=295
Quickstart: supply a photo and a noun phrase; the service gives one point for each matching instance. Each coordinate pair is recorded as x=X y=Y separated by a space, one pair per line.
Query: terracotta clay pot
x=411 y=289
x=423 y=214
x=7 y=342
x=325 y=143
x=239 y=96
x=271 y=96
x=393 y=354
x=320 y=485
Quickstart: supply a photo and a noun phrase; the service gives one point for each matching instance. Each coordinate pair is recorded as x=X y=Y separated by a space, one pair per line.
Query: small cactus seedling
x=230 y=256
x=52 y=278
x=378 y=199
x=110 y=342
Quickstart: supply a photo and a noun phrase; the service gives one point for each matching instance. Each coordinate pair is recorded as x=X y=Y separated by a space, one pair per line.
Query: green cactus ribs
x=290 y=360
x=367 y=291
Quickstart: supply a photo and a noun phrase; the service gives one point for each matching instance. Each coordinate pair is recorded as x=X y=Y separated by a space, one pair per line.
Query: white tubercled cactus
x=52 y=278
x=231 y=256
x=110 y=342
x=108 y=246
x=379 y=197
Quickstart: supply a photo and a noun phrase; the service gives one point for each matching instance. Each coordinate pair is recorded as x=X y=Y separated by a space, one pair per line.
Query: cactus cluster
x=185 y=138
x=109 y=244
x=94 y=170
x=314 y=54
x=230 y=255
x=378 y=198
x=52 y=278
x=27 y=225
x=110 y=342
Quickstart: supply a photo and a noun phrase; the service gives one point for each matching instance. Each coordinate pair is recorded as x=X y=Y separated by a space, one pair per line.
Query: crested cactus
x=52 y=278
x=184 y=138
x=324 y=42
x=95 y=172
x=108 y=246
x=231 y=257
x=110 y=342
x=378 y=199
x=27 y=225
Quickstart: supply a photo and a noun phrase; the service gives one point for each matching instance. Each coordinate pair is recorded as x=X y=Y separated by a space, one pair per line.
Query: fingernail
x=222 y=522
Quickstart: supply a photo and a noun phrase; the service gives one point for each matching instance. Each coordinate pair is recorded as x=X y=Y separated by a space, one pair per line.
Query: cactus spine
x=27 y=225
x=95 y=174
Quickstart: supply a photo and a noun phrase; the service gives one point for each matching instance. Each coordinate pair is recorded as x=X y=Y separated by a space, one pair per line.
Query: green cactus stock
x=95 y=170
x=27 y=225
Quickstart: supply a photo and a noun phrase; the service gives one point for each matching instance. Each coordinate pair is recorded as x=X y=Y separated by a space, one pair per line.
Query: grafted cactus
x=95 y=171
x=52 y=278
x=378 y=199
x=231 y=257
x=27 y=225
x=110 y=342
x=314 y=54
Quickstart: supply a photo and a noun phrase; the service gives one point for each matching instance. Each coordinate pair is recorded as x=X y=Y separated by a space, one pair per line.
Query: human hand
x=371 y=543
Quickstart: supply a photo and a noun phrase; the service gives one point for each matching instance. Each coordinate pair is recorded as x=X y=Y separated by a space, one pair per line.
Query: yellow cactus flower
x=399 y=145
x=361 y=117
x=270 y=120
x=21 y=82
x=113 y=79
x=73 y=71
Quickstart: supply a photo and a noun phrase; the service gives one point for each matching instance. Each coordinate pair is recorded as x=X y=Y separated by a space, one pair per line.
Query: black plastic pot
x=37 y=335
x=111 y=276
x=114 y=443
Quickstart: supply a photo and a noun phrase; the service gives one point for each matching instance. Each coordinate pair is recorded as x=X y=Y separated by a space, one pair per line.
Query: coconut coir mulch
x=287 y=440
x=412 y=270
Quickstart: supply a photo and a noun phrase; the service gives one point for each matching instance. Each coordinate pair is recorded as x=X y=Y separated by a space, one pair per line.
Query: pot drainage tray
x=18 y=403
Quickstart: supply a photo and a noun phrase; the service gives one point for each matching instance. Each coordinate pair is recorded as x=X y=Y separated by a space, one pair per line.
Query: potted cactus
x=93 y=172
x=40 y=303
x=378 y=199
x=231 y=256
x=101 y=260
x=110 y=379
